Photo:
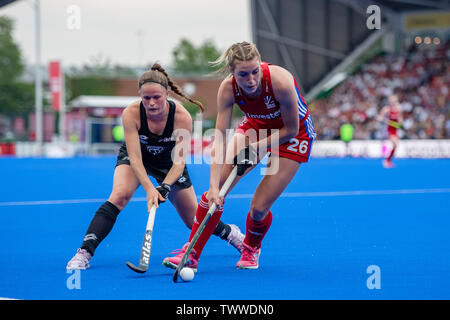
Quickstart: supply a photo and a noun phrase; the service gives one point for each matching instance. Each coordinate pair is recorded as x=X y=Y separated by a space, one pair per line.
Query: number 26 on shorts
x=298 y=146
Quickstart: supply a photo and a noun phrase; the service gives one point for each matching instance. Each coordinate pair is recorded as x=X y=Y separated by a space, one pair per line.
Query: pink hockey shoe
x=249 y=257
x=191 y=262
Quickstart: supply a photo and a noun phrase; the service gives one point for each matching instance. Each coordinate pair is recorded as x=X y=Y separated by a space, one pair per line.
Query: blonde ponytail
x=242 y=51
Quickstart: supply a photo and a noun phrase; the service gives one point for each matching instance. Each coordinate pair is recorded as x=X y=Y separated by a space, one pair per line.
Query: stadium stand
x=421 y=78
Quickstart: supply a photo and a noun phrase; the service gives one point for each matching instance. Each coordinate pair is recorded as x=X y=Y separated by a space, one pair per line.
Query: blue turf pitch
x=335 y=220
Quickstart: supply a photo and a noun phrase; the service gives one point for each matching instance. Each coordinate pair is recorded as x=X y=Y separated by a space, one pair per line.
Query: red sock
x=391 y=154
x=202 y=210
x=256 y=230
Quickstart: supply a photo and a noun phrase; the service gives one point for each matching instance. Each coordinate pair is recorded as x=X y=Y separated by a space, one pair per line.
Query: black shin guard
x=222 y=230
x=100 y=226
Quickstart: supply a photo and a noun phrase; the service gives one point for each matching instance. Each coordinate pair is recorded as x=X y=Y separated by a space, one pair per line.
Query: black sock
x=100 y=226
x=222 y=230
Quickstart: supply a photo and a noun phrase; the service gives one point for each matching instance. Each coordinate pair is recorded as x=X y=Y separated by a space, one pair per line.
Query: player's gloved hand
x=164 y=190
x=245 y=159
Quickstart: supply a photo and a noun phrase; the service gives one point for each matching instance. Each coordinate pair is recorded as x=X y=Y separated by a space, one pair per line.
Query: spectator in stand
x=420 y=77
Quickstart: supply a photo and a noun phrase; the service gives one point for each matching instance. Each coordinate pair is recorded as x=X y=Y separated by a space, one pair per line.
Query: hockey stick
x=199 y=231
x=146 y=245
x=392 y=123
x=395 y=124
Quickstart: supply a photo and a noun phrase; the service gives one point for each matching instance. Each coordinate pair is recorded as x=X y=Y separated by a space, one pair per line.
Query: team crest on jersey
x=269 y=102
x=155 y=150
x=244 y=121
x=143 y=139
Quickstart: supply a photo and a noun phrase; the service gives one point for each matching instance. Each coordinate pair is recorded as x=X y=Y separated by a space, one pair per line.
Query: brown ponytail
x=157 y=74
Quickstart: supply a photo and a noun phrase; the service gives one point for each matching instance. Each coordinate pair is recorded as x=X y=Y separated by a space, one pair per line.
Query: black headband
x=149 y=80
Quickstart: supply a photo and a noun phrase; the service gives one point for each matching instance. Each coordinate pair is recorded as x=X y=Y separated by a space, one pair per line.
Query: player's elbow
x=292 y=131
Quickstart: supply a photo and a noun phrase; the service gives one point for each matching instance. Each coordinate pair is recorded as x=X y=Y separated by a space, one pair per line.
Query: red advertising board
x=55 y=83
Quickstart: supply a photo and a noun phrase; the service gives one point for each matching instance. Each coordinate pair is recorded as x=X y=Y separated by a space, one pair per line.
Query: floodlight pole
x=38 y=78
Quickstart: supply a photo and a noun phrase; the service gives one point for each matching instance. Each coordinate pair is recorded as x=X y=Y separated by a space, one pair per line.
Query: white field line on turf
x=348 y=193
x=248 y=196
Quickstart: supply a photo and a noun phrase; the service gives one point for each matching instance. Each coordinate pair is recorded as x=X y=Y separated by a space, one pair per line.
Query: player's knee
x=258 y=212
x=120 y=198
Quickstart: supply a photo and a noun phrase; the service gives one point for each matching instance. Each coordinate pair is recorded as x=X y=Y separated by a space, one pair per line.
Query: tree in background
x=195 y=61
x=96 y=77
x=15 y=97
x=188 y=59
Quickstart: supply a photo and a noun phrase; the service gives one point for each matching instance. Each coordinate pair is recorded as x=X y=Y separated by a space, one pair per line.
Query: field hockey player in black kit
x=150 y=127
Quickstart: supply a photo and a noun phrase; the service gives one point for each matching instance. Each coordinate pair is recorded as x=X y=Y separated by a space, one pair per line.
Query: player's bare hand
x=213 y=197
x=153 y=198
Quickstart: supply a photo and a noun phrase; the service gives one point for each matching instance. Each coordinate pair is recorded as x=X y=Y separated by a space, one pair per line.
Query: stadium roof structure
x=318 y=39
x=5 y=2
x=412 y=5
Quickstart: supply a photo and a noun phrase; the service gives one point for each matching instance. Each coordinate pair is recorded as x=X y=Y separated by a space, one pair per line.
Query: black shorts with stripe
x=183 y=182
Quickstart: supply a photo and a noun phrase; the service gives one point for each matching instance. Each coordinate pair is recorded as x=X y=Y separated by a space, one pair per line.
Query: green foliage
x=97 y=77
x=11 y=66
x=99 y=66
x=89 y=85
x=188 y=59
x=15 y=97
